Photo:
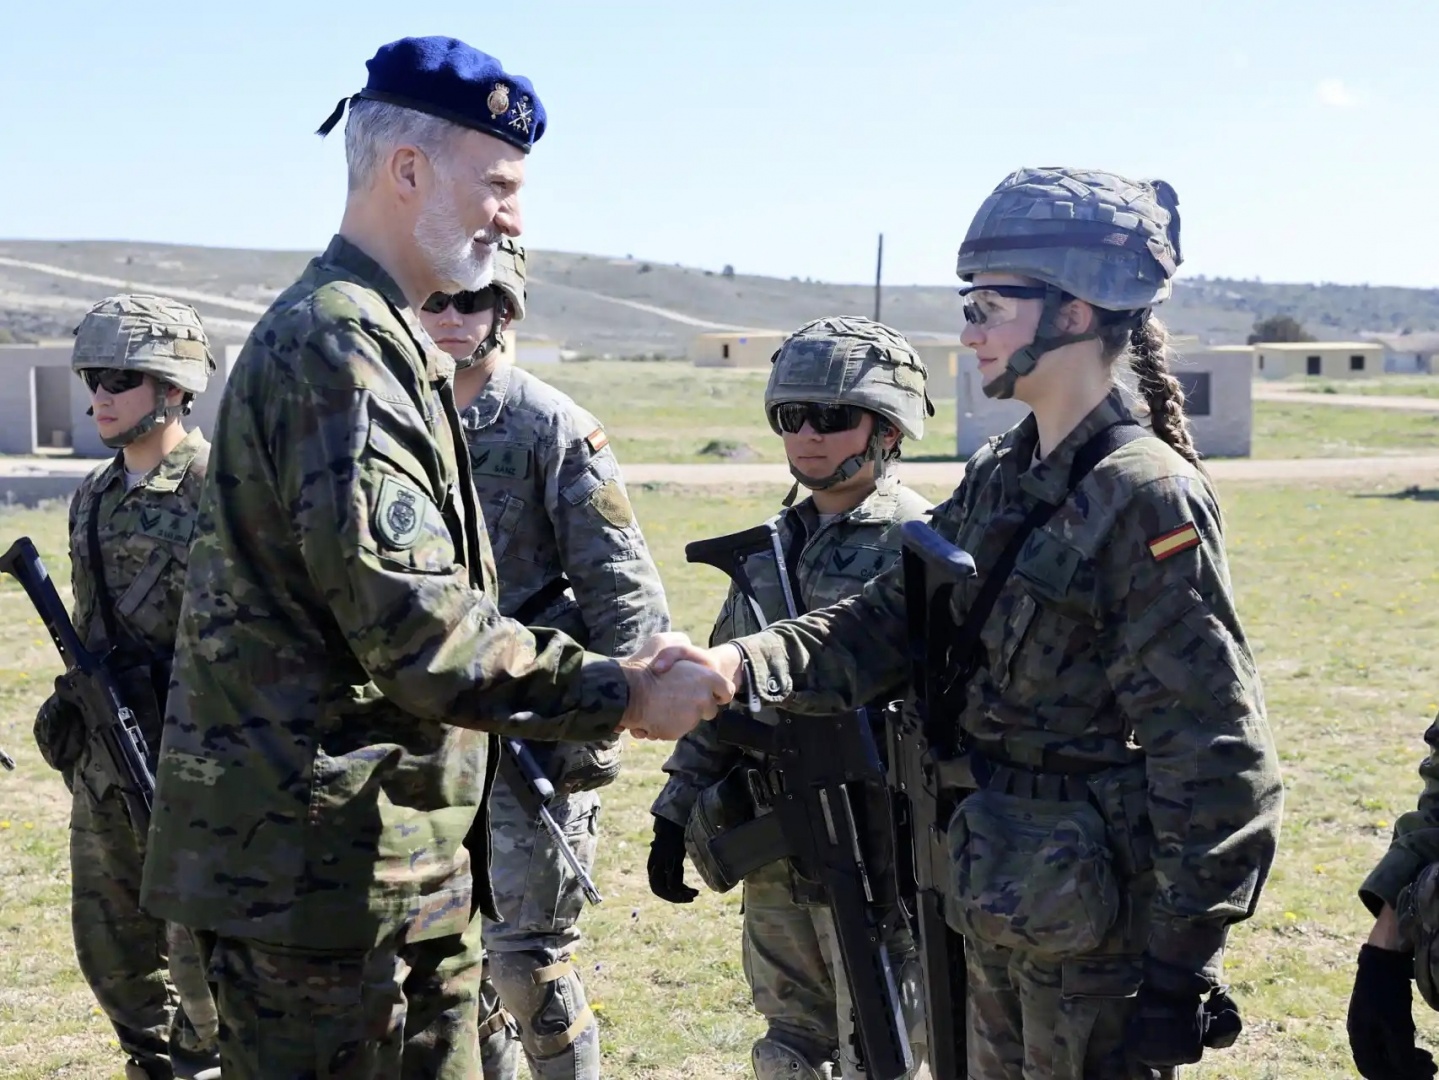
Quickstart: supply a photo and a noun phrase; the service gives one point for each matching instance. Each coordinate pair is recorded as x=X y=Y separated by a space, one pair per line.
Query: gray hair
x=375 y=128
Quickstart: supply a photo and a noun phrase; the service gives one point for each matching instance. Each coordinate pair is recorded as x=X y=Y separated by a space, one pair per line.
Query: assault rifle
x=541 y=790
x=102 y=705
x=825 y=783
x=918 y=740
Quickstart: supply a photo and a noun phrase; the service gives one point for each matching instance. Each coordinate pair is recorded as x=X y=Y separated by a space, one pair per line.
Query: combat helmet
x=851 y=360
x=1095 y=236
x=509 y=285
x=154 y=334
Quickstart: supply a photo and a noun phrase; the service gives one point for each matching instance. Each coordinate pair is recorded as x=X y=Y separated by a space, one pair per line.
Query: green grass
x=1285 y=429
x=1339 y=593
x=1380 y=385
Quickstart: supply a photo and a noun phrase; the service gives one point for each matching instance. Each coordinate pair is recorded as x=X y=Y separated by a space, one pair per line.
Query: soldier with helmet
x=1118 y=796
x=569 y=554
x=843 y=394
x=143 y=358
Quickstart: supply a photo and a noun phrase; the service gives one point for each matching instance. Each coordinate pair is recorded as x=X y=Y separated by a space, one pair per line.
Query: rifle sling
x=547 y=594
x=97 y=564
x=964 y=656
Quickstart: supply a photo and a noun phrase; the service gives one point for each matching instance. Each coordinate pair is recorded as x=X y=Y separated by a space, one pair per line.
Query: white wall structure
x=1410 y=354
x=1217 y=385
x=535 y=351
x=1327 y=359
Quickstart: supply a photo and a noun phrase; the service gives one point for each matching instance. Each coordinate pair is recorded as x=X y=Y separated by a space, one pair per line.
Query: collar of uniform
x=168 y=475
x=349 y=257
x=485 y=409
x=1048 y=480
x=878 y=506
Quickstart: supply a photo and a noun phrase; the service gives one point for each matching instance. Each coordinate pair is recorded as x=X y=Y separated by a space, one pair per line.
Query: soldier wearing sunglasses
x=569 y=554
x=143 y=358
x=843 y=395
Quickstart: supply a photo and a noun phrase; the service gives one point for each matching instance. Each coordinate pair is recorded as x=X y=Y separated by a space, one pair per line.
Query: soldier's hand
x=659 y=642
x=59 y=732
x=666 y=864
x=725 y=659
x=671 y=705
x=1381 y=1020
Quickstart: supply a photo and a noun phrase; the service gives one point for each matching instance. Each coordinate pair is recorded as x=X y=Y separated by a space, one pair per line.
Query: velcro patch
x=1172 y=543
x=506 y=462
x=612 y=503
x=164 y=525
x=597 y=440
x=399 y=513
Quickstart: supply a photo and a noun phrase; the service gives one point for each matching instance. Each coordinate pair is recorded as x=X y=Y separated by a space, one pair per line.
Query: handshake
x=674 y=684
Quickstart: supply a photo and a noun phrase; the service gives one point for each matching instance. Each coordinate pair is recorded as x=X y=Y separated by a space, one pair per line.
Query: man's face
x=120 y=398
x=473 y=200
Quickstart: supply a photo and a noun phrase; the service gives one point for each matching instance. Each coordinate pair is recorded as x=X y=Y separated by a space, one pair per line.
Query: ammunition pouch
x=720 y=809
x=1031 y=874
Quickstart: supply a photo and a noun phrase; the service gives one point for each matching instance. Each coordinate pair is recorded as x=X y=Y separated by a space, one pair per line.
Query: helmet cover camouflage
x=153 y=334
x=510 y=275
x=1108 y=240
x=851 y=360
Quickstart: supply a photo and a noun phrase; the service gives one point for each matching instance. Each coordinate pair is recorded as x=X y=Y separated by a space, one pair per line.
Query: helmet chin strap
x=494 y=339
x=873 y=451
x=1046 y=340
x=162 y=413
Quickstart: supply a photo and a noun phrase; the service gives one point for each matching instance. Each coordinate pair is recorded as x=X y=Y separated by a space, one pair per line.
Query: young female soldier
x=569 y=554
x=1128 y=804
x=143 y=358
x=842 y=394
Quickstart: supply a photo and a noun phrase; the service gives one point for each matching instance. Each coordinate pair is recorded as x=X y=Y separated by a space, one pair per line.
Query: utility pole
x=878 y=274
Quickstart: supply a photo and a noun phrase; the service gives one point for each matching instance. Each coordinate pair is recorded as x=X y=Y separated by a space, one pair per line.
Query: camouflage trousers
x=128 y=958
x=796 y=975
x=1037 y=1018
x=529 y=966
x=399 y=1011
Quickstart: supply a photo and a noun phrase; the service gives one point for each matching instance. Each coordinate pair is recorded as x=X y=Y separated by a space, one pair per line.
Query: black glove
x=1174 y=1029
x=1381 y=1021
x=667 y=863
x=60 y=727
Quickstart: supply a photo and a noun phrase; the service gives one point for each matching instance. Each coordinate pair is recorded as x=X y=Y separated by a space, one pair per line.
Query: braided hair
x=1146 y=346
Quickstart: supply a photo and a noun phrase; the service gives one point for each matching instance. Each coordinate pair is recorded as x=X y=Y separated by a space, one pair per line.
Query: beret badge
x=499 y=101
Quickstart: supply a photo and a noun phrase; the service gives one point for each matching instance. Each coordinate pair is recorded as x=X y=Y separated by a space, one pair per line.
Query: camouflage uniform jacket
x=340 y=652
x=1115 y=642
x=144 y=537
x=834 y=562
x=1415 y=843
x=555 y=507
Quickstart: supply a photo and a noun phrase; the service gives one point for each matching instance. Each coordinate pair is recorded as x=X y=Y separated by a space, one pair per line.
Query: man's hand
x=1381 y=1021
x=671 y=705
x=725 y=659
x=666 y=866
x=669 y=639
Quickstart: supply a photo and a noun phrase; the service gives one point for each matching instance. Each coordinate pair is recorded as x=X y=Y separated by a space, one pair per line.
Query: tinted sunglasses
x=114 y=380
x=823 y=419
x=994 y=305
x=466 y=303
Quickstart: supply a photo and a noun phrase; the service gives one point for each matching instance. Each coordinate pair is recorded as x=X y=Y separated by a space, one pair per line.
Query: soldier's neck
x=366 y=228
x=151 y=448
x=470 y=382
x=843 y=497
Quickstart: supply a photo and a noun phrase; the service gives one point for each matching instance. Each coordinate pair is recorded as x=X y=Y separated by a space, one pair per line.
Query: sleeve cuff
x=1188 y=948
x=604 y=693
x=767 y=657
x=1384 y=883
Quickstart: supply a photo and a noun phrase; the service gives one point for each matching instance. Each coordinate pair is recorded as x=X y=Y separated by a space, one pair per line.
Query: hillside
x=597 y=305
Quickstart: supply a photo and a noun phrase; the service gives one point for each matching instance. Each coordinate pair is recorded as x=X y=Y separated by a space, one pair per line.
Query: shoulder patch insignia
x=613 y=505
x=597 y=440
x=399 y=512
x=1172 y=543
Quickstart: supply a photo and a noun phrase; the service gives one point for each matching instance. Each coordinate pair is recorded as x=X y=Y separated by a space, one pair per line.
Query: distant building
x=1218 y=384
x=1328 y=359
x=735 y=349
x=941 y=356
x=1410 y=354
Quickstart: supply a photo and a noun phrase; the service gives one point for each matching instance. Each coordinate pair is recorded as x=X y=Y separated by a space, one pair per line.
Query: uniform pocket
x=1031 y=874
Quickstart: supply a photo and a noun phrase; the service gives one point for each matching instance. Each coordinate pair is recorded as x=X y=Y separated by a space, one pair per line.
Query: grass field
x=669 y=412
x=1340 y=595
x=1380 y=385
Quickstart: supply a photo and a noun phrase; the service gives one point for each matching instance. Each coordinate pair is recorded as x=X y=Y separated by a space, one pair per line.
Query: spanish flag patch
x=597 y=440
x=1172 y=543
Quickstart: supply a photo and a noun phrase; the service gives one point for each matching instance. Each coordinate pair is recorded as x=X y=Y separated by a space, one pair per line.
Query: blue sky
x=777 y=136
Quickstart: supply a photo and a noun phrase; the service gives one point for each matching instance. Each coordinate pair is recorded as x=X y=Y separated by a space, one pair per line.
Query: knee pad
x=775 y=1059
x=546 y=999
x=499 y=1047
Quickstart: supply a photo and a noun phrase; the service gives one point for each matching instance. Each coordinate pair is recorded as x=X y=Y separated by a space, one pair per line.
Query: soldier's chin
x=473 y=273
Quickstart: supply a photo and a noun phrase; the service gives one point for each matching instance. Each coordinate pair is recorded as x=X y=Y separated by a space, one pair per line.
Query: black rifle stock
x=830 y=789
x=932 y=569
x=107 y=716
x=542 y=790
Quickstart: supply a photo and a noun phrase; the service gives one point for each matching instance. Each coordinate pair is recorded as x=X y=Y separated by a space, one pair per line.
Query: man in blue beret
x=342 y=668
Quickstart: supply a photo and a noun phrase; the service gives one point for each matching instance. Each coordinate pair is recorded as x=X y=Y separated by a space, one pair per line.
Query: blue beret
x=447 y=78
